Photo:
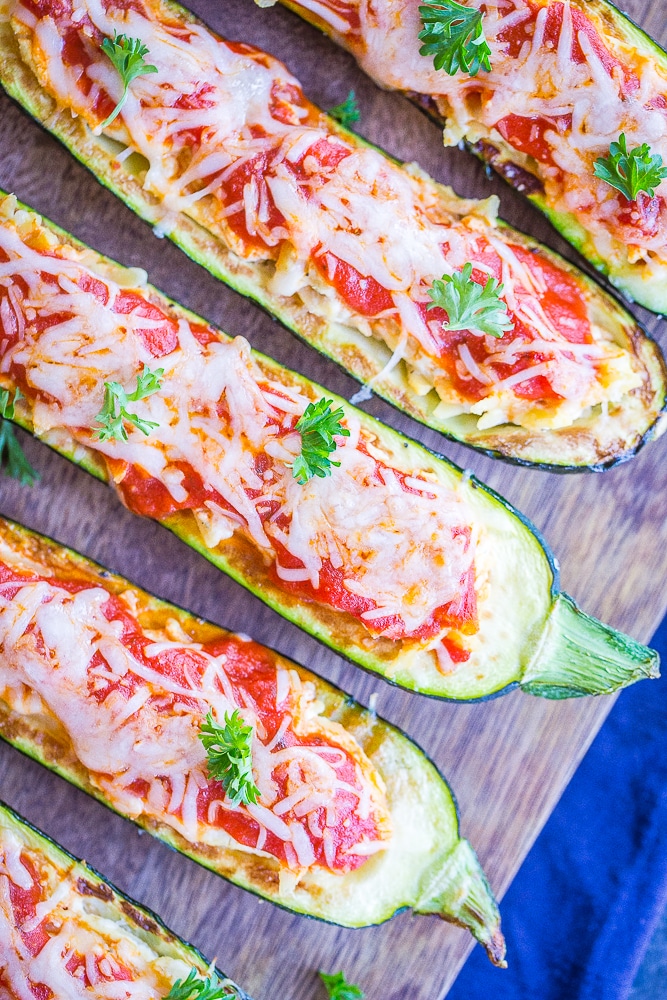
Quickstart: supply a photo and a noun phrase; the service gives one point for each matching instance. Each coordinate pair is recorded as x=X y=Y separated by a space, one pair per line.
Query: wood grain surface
x=508 y=760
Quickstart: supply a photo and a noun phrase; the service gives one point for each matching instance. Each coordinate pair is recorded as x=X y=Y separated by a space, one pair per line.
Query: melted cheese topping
x=131 y=704
x=401 y=545
x=576 y=87
x=52 y=938
x=229 y=140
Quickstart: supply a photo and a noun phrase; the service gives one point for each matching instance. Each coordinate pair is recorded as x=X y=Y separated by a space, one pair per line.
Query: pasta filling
x=225 y=135
x=393 y=550
x=558 y=94
x=55 y=945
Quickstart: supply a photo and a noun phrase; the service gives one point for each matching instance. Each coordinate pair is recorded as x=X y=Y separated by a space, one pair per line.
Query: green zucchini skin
x=446 y=879
x=110 y=902
x=497 y=155
x=543 y=630
x=638 y=420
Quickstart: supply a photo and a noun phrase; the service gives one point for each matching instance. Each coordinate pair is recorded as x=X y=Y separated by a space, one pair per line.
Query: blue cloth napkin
x=580 y=913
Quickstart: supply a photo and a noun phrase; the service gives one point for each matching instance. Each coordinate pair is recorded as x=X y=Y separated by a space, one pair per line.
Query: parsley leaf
x=338 y=987
x=8 y=404
x=454 y=36
x=347 y=112
x=317 y=426
x=229 y=752
x=148 y=382
x=12 y=458
x=470 y=306
x=198 y=987
x=633 y=171
x=114 y=413
x=127 y=56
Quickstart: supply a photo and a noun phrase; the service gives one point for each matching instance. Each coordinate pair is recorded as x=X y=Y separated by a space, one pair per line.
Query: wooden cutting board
x=508 y=760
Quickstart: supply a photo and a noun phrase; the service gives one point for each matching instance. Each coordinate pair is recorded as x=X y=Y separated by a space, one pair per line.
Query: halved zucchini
x=638 y=268
x=426 y=865
x=600 y=437
x=527 y=633
x=122 y=939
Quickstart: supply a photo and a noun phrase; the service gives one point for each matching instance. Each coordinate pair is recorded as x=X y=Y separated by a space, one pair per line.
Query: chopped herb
x=454 y=36
x=631 y=171
x=347 y=112
x=12 y=458
x=338 y=987
x=318 y=425
x=127 y=56
x=114 y=413
x=229 y=751
x=198 y=987
x=469 y=305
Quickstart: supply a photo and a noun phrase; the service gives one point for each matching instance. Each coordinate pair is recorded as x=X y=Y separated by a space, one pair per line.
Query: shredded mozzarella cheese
x=143 y=732
x=395 y=548
x=83 y=954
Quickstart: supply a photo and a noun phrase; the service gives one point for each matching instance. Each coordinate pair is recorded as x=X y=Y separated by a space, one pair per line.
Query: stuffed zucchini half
x=67 y=932
x=348 y=820
x=566 y=80
x=376 y=546
x=371 y=262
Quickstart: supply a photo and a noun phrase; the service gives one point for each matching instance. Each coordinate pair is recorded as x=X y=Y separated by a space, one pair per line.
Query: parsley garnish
x=454 y=36
x=347 y=112
x=127 y=55
x=12 y=459
x=198 y=987
x=470 y=306
x=318 y=425
x=338 y=987
x=115 y=412
x=633 y=171
x=229 y=754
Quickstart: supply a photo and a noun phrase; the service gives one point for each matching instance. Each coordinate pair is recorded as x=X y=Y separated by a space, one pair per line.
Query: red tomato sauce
x=344 y=9
x=514 y=37
x=640 y=218
x=528 y=133
x=460 y=614
x=252 y=672
x=322 y=156
x=361 y=292
x=146 y=495
x=24 y=906
x=77 y=967
x=563 y=303
x=159 y=338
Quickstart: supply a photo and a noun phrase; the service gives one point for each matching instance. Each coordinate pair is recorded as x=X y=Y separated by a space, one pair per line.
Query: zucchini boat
x=66 y=932
x=392 y=556
x=566 y=80
x=373 y=263
x=109 y=687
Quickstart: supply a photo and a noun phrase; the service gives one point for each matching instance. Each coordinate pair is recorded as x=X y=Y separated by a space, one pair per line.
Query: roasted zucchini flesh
x=110 y=687
x=393 y=557
x=64 y=928
x=373 y=263
x=566 y=81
